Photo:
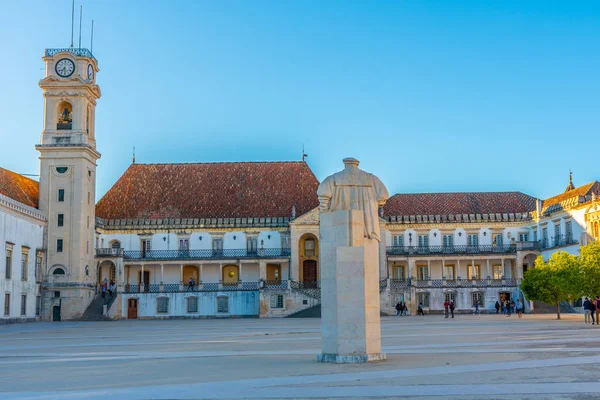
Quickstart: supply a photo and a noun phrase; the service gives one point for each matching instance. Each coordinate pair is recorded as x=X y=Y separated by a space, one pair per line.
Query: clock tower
x=68 y=180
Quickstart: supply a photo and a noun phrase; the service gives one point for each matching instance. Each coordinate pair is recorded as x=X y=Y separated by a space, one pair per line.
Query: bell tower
x=68 y=180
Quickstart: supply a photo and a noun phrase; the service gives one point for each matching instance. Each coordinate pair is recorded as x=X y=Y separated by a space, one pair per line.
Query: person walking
x=446 y=308
x=103 y=290
x=507 y=308
x=504 y=306
x=587 y=311
x=512 y=306
x=519 y=308
x=405 y=310
x=420 y=310
x=597 y=310
x=476 y=312
x=191 y=284
x=111 y=288
x=452 y=308
x=497 y=307
x=398 y=309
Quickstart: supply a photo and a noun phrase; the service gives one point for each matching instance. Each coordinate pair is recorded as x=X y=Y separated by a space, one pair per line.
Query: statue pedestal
x=350 y=324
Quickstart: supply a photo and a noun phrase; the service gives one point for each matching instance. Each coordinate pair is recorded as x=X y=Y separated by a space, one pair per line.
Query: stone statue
x=349 y=255
x=354 y=189
x=66 y=116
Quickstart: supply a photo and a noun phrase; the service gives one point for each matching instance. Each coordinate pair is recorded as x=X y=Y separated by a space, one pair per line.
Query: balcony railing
x=557 y=241
x=194 y=254
x=73 y=50
x=201 y=287
x=463 y=249
x=109 y=252
x=464 y=283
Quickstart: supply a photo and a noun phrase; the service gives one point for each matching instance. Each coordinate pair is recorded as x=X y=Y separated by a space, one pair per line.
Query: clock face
x=90 y=72
x=65 y=67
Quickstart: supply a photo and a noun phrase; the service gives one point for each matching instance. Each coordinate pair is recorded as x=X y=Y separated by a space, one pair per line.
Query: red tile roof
x=570 y=197
x=211 y=190
x=19 y=188
x=458 y=203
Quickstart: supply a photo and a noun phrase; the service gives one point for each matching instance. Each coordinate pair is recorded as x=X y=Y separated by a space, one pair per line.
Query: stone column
x=350 y=323
x=142 y=283
x=240 y=272
x=488 y=268
x=262 y=270
x=444 y=269
x=181 y=277
x=161 y=287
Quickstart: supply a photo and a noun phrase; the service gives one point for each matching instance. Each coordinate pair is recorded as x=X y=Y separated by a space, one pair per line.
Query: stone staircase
x=311 y=312
x=543 y=308
x=95 y=310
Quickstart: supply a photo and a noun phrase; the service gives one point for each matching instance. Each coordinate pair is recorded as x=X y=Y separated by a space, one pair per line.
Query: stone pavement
x=470 y=357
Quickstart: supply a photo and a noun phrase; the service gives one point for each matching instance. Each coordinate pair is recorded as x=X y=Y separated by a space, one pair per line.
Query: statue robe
x=354 y=189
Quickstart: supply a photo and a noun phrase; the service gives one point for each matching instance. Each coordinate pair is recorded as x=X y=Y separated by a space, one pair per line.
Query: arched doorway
x=132 y=308
x=529 y=262
x=56 y=313
x=308 y=253
x=231 y=275
x=107 y=270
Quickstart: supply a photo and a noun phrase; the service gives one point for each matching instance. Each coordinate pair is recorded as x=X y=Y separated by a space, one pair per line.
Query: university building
x=240 y=239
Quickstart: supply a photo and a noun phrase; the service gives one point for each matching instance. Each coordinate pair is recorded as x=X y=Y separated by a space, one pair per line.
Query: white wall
x=21 y=230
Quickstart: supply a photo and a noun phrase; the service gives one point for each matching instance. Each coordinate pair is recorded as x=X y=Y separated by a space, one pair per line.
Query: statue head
x=351 y=162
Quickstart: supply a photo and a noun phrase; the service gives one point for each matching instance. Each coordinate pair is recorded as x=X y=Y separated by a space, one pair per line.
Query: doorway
x=504 y=296
x=132 y=308
x=309 y=273
x=56 y=313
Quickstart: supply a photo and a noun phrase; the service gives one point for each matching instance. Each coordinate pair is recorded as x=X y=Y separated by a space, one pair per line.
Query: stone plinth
x=350 y=325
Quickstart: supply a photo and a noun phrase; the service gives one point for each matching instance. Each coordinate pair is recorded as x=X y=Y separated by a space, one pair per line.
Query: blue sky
x=429 y=95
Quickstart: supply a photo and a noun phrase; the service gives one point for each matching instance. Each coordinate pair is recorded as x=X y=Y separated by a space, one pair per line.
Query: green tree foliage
x=590 y=269
x=554 y=281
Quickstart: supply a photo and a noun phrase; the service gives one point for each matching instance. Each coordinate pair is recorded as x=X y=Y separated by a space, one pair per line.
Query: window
x=477 y=297
x=397 y=297
x=58 y=271
x=6 y=304
x=217 y=245
x=448 y=240
x=146 y=247
x=24 y=262
x=473 y=272
x=8 y=264
x=192 y=304
x=569 y=231
x=497 y=271
x=451 y=296
x=23 y=304
x=398 y=241
x=423 y=240
x=423 y=298
x=472 y=239
x=535 y=238
x=557 y=234
x=162 y=305
x=59 y=245
x=398 y=272
x=56 y=294
x=252 y=244
x=61 y=195
x=184 y=244
x=38 y=267
x=285 y=241
x=115 y=244
x=523 y=237
x=61 y=170
x=38 y=305
x=309 y=248
x=89 y=194
x=497 y=239
x=449 y=273
x=423 y=272
x=61 y=220
x=277 y=301
x=545 y=237
x=88 y=222
x=222 y=304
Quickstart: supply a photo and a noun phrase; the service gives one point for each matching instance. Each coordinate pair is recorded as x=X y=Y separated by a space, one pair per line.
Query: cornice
x=13 y=205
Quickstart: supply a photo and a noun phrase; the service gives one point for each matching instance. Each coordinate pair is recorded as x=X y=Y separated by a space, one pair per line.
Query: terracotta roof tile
x=458 y=203
x=211 y=190
x=19 y=188
x=553 y=204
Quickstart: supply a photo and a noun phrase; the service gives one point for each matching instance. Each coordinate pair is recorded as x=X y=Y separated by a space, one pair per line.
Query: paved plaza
x=470 y=357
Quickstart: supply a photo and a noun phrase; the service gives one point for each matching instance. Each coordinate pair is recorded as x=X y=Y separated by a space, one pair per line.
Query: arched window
x=222 y=304
x=115 y=244
x=58 y=271
x=309 y=248
x=65 y=116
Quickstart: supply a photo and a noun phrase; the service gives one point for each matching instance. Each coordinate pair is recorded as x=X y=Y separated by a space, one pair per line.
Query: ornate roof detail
x=310 y=218
x=571 y=198
x=19 y=188
x=570 y=186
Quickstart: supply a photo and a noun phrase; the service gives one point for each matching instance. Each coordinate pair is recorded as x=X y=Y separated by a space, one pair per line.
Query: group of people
x=107 y=287
x=590 y=308
x=509 y=307
x=402 y=309
x=449 y=308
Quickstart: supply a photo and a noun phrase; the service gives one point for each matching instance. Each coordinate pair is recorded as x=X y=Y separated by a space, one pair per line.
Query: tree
x=590 y=268
x=554 y=281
